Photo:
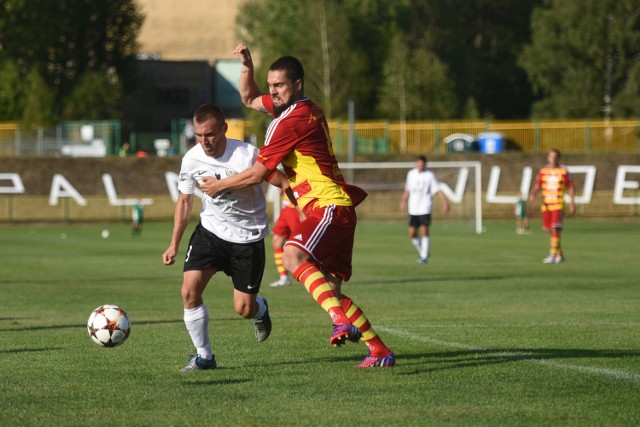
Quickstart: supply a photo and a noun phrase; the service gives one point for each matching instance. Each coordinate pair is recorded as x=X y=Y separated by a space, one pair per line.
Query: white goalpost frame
x=477 y=166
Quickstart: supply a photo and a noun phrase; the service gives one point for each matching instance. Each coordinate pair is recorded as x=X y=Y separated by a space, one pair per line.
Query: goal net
x=384 y=181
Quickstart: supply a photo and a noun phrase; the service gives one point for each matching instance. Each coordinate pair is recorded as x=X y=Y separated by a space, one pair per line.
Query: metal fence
x=74 y=139
x=381 y=137
x=83 y=139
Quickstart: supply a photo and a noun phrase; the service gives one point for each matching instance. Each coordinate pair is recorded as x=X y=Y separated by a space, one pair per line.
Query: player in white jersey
x=229 y=237
x=420 y=187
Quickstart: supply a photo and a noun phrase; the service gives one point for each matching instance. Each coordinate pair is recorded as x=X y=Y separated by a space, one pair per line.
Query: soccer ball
x=109 y=326
x=105 y=234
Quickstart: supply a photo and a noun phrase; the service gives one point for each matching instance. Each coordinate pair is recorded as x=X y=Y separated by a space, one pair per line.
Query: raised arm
x=249 y=91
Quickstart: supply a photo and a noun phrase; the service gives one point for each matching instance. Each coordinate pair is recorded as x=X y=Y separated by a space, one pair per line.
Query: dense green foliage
x=396 y=59
x=584 y=58
x=485 y=334
x=65 y=43
x=430 y=59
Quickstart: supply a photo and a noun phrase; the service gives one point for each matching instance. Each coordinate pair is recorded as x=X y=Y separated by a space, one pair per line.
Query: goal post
x=390 y=177
x=455 y=195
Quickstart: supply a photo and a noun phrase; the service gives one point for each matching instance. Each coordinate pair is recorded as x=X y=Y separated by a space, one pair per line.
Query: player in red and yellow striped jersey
x=319 y=251
x=287 y=221
x=554 y=181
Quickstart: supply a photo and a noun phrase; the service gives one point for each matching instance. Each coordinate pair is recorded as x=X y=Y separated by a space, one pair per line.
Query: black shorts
x=243 y=262
x=418 y=220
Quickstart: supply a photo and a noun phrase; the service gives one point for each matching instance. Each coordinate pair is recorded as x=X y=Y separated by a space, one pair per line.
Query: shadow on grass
x=474 y=358
x=219 y=382
x=29 y=350
x=429 y=279
x=95 y=281
x=305 y=361
x=133 y=324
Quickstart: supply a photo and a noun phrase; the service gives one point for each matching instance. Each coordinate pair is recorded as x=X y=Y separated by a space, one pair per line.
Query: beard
x=277 y=110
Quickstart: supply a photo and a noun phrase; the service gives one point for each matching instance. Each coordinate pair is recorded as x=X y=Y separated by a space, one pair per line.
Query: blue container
x=491 y=142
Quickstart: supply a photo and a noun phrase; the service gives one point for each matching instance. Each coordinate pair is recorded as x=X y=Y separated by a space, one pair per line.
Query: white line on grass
x=514 y=356
x=529 y=325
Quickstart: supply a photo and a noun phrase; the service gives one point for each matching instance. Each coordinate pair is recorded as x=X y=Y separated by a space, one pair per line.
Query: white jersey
x=422 y=186
x=237 y=215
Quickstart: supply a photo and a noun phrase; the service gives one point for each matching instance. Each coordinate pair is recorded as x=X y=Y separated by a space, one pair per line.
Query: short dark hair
x=555 y=150
x=208 y=111
x=422 y=159
x=291 y=66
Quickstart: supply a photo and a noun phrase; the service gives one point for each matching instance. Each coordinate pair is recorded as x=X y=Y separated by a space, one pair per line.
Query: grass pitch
x=485 y=334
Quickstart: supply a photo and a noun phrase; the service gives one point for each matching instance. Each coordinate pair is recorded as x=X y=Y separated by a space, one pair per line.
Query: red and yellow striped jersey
x=553 y=183
x=299 y=139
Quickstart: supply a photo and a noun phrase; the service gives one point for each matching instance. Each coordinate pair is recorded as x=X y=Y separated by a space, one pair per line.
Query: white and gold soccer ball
x=109 y=325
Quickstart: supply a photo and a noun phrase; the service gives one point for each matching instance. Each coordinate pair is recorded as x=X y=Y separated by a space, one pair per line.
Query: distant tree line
x=66 y=59
x=396 y=59
x=446 y=59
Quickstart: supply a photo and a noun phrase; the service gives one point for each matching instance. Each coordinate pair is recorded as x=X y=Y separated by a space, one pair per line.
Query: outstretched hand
x=245 y=55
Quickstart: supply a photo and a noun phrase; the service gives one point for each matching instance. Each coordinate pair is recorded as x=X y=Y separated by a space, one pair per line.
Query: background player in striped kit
x=287 y=221
x=554 y=180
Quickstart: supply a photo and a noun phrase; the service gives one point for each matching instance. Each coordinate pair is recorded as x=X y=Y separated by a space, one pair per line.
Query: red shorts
x=288 y=221
x=552 y=219
x=327 y=236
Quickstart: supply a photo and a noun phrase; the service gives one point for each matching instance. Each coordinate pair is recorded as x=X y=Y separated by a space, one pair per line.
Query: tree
x=38 y=102
x=627 y=102
x=479 y=42
x=95 y=97
x=11 y=91
x=416 y=85
x=63 y=40
x=317 y=33
x=583 y=58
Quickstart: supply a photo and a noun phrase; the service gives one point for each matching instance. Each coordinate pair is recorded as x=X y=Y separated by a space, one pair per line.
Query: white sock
x=424 y=247
x=197 y=322
x=262 y=308
x=416 y=243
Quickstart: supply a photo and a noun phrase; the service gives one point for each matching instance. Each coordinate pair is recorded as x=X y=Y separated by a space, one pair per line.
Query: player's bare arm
x=250 y=93
x=280 y=180
x=257 y=173
x=445 y=202
x=534 y=192
x=181 y=217
x=572 y=202
x=403 y=201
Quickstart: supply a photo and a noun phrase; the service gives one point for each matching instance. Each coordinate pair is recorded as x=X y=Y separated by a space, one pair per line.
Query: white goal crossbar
x=464 y=166
x=452 y=195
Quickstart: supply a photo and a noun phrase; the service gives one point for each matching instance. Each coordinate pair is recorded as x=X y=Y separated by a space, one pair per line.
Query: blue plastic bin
x=491 y=142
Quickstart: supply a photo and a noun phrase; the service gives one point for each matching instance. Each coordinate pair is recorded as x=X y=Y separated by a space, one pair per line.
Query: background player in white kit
x=420 y=187
x=229 y=237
